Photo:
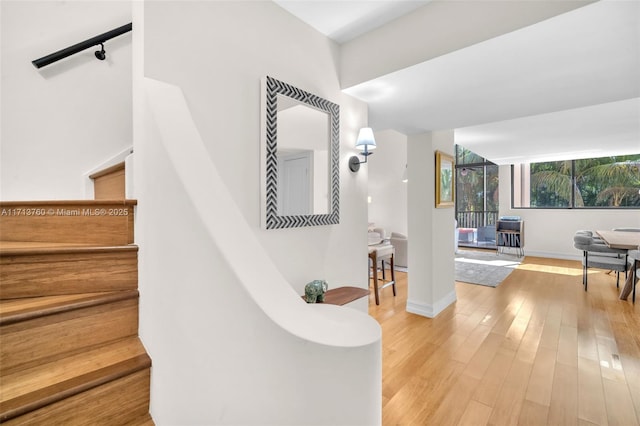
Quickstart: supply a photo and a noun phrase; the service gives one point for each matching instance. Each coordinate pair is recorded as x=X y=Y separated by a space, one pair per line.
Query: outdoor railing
x=476 y=219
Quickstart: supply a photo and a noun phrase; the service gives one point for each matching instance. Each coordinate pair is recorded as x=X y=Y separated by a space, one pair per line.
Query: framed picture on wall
x=444 y=180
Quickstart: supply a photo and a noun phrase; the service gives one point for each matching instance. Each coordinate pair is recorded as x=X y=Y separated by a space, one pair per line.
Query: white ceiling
x=343 y=20
x=566 y=87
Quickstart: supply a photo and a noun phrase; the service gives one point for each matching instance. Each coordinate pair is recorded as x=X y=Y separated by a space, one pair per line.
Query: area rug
x=484 y=268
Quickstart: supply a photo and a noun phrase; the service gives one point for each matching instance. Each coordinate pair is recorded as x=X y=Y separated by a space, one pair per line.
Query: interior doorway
x=295 y=183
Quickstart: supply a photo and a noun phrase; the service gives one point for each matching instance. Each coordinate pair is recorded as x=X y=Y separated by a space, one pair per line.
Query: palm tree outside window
x=476 y=199
x=605 y=182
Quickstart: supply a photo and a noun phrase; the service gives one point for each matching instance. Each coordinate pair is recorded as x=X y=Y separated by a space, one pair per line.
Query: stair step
x=24 y=309
x=106 y=385
x=69 y=351
x=109 y=184
x=30 y=269
x=100 y=222
x=38 y=330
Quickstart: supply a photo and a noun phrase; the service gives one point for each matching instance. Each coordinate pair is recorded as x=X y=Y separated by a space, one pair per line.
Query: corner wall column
x=431 y=230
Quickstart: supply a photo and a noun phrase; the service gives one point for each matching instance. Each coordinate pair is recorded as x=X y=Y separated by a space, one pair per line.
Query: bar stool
x=382 y=253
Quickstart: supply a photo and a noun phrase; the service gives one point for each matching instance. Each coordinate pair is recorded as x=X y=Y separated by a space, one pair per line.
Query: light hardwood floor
x=536 y=350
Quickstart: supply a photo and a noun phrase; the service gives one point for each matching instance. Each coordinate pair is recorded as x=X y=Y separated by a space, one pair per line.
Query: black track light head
x=101 y=54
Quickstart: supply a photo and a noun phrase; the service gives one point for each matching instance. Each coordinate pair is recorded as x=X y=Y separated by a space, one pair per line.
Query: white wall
x=217 y=357
x=222 y=324
x=64 y=119
x=388 y=207
x=217 y=52
x=431 y=230
x=549 y=232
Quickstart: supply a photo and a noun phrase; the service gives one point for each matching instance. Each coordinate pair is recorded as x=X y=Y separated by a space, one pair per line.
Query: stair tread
x=13 y=248
x=38 y=386
x=12 y=245
x=128 y=202
x=15 y=310
x=108 y=170
x=69 y=313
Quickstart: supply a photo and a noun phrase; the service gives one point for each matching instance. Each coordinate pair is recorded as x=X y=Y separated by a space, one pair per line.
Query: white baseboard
x=551 y=255
x=431 y=311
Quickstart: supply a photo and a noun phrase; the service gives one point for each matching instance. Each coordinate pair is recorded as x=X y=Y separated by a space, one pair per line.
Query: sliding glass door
x=476 y=199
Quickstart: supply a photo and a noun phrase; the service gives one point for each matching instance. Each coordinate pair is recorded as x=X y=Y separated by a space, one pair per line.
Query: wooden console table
x=343 y=295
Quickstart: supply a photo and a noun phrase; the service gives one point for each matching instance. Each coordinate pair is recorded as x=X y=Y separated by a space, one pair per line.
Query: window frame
x=571 y=205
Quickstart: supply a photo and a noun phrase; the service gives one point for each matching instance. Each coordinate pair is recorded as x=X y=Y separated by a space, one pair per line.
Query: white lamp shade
x=366 y=139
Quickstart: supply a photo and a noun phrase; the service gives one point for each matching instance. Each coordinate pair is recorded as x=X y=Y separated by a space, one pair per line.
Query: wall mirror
x=301 y=148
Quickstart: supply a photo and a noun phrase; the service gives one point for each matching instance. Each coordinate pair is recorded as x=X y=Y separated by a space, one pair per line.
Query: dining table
x=627 y=240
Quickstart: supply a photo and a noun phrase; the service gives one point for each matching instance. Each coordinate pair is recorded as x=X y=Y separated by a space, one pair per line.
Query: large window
x=606 y=182
x=476 y=197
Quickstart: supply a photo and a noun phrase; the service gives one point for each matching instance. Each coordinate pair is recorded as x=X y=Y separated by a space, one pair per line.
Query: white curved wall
x=231 y=341
x=220 y=355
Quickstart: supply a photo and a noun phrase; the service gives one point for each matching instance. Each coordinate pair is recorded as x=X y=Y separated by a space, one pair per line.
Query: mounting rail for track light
x=79 y=47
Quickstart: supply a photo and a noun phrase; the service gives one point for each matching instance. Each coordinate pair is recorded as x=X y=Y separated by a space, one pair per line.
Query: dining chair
x=596 y=254
x=629 y=261
x=634 y=258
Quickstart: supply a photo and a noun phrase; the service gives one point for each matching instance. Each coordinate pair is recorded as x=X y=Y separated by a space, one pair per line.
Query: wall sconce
x=365 y=139
x=405 y=175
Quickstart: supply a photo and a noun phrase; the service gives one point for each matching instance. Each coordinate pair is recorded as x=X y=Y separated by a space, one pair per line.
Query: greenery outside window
x=476 y=190
x=605 y=182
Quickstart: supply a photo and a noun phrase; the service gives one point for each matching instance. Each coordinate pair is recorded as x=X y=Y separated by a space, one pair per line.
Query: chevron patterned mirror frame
x=271 y=218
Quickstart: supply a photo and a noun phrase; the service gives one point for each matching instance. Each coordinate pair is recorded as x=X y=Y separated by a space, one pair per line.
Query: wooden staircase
x=69 y=346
